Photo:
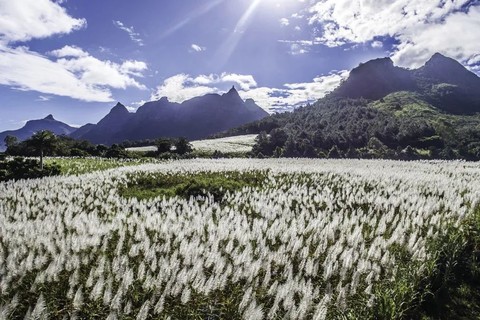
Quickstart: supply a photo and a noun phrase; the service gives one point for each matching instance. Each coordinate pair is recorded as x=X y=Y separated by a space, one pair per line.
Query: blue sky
x=75 y=59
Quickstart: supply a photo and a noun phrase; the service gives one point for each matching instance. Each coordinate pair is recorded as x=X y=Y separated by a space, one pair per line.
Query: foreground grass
x=202 y=184
x=251 y=239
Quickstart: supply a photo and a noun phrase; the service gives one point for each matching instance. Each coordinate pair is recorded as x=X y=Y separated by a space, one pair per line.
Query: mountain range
x=193 y=119
x=32 y=126
x=442 y=81
x=382 y=110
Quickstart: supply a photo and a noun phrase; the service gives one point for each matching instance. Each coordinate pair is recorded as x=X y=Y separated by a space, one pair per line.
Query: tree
x=334 y=153
x=163 y=145
x=262 y=145
x=278 y=137
x=10 y=141
x=42 y=141
x=290 y=150
x=183 y=146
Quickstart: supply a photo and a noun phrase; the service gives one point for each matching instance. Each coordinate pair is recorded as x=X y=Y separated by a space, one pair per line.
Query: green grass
x=76 y=166
x=406 y=104
x=147 y=186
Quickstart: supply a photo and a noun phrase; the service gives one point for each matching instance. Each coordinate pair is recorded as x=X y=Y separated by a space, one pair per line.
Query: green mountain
x=383 y=111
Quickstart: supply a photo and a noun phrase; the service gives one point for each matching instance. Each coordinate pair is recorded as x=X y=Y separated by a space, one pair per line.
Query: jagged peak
x=440 y=59
x=49 y=117
x=164 y=99
x=119 y=108
x=233 y=93
x=232 y=90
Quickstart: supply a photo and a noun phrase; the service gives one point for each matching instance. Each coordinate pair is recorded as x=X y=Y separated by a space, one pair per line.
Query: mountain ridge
x=382 y=111
x=444 y=82
x=195 y=118
x=32 y=126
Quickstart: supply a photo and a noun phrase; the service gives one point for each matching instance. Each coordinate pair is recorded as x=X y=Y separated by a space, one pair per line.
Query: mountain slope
x=442 y=81
x=383 y=111
x=32 y=126
x=194 y=119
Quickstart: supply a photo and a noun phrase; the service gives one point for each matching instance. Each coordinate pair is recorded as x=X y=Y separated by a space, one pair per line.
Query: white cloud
x=421 y=27
x=245 y=82
x=80 y=77
x=27 y=70
x=23 y=20
x=69 y=51
x=93 y=71
x=457 y=37
x=74 y=73
x=134 y=36
x=43 y=98
x=284 y=22
x=377 y=44
x=182 y=87
x=133 y=67
x=295 y=94
x=197 y=48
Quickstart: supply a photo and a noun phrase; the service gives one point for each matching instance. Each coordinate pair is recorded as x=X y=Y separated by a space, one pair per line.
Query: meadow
x=236 y=146
x=240 y=239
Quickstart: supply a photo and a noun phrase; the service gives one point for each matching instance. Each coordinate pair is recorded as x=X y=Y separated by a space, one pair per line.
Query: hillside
x=32 y=126
x=383 y=111
x=194 y=119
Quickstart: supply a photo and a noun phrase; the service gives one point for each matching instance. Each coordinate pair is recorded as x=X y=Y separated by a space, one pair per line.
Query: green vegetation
x=76 y=166
x=147 y=186
x=20 y=168
x=402 y=125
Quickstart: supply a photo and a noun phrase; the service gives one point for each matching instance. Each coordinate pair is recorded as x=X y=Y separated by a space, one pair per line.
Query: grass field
x=229 y=145
x=243 y=239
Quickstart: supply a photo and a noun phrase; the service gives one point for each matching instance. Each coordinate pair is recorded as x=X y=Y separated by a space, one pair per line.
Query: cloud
x=134 y=36
x=23 y=20
x=377 y=44
x=43 y=98
x=26 y=70
x=197 y=48
x=182 y=87
x=69 y=71
x=79 y=76
x=420 y=28
x=284 y=22
x=292 y=95
x=245 y=82
x=69 y=51
x=296 y=47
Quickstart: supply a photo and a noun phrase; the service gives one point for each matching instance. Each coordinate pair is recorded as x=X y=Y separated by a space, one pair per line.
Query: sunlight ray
x=228 y=47
x=195 y=14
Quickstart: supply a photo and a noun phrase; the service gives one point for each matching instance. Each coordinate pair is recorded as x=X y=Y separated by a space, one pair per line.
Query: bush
x=21 y=168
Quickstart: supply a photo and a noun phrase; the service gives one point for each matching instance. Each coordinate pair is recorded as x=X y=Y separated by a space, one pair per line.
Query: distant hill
x=194 y=119
x=32 y=126
x=383 y=111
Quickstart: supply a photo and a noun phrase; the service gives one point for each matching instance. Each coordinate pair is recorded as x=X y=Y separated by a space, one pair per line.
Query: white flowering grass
x=317 y=240
x=82 y=165
x=236 y=144
x=240 y=144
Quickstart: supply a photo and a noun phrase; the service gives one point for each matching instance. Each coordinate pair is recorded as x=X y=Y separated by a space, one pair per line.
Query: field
x=240 y=239
x=229 y=145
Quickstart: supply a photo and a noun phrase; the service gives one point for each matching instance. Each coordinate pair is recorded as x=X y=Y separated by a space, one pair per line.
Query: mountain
x=32 y=126
x=442 y=81
x=194 y=119
x=383 y=111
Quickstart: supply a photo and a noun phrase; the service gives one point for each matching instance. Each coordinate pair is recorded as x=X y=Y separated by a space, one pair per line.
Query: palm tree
x=42 y=141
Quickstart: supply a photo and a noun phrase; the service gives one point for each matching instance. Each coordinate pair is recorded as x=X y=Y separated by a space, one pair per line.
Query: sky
x=76 y=58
